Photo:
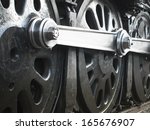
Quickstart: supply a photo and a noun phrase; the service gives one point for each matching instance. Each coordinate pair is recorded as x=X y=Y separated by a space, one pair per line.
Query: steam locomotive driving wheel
x=30 y=78
x=99 y=72
x=141 y=63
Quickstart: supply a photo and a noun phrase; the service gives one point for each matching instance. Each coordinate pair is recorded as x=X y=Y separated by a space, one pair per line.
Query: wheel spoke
x=37 y=77
x=94 y=76
x=111 y=85
x=93 y=8
x=103 y=17
x=90 y=67
x=99 y=94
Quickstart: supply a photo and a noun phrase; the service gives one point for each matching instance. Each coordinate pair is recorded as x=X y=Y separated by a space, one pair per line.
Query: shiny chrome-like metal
x=85 y=38
x=101 y=40
x=119 y=41
x=140 y=46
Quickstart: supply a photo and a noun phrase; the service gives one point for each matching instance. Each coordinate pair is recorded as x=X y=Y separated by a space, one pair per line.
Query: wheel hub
x=43 y=33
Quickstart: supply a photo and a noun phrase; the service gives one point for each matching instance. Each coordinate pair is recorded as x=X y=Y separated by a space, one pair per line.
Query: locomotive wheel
x=141 y=63
x=30 y=78
x=99 y=73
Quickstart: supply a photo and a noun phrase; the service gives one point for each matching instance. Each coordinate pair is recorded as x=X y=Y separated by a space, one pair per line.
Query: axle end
x=43 y=33
x=123 y=42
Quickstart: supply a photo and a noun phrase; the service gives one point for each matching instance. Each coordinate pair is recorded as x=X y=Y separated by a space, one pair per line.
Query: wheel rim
x=141 y=63
x=99 y=72
x=30 y=78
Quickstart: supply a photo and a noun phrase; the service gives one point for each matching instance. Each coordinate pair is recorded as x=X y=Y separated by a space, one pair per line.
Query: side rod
x=45 y=33
x=100 y=40
x=84 y=38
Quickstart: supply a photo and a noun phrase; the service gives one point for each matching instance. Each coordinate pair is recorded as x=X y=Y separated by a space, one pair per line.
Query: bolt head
x=52 y=33
x=126 y=43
